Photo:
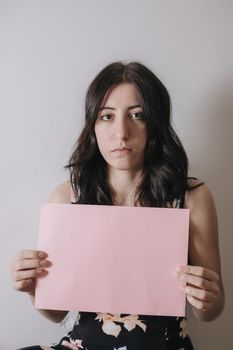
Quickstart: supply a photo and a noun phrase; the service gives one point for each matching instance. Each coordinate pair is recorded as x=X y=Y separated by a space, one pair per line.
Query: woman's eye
x=137 y=115
x=105 y=117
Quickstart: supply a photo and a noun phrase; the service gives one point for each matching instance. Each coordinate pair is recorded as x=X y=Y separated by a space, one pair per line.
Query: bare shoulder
x=61 y=193
x=198 y=197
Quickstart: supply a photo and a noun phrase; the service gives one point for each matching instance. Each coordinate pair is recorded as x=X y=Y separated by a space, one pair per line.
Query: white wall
x=49 y=52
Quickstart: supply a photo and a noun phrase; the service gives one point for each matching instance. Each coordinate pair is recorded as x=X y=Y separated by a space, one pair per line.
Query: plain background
x=49 y=53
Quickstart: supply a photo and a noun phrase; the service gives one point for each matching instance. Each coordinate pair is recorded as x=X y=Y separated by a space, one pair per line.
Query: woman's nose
x=122 y=128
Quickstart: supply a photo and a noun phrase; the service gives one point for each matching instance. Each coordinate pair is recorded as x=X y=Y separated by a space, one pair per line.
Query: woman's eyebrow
x=130 y=107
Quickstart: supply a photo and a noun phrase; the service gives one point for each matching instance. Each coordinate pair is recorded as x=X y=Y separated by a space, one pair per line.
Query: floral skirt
x=98 y=331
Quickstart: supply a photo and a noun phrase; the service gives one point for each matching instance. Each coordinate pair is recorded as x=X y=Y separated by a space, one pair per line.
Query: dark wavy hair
x=165 y=162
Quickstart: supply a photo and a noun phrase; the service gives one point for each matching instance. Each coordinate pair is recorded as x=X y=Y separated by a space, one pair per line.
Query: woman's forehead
x=122 y=94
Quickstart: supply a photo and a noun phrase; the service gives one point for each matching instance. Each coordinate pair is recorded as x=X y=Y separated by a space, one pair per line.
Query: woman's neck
x=123 y=185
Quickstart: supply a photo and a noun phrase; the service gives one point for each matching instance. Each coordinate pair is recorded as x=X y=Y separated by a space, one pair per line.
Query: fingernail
x=39 y=271
x=177 y=272
x=28 y=281
x=42 y=255
x=180 y=268
x=185 y=268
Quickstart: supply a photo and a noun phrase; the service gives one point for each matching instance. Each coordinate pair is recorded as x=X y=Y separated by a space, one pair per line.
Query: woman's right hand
x=26 y=267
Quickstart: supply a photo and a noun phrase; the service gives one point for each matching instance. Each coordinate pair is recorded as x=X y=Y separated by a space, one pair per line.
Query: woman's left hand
x=201 y=286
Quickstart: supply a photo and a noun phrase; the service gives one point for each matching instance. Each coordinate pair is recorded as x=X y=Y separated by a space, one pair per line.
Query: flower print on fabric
x=69 y=321
x=111 y=328
x=73 y=344
x=77 y=319
x=183 y=326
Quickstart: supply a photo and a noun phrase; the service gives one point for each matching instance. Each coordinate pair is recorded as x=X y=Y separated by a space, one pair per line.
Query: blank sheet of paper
x=113 y=259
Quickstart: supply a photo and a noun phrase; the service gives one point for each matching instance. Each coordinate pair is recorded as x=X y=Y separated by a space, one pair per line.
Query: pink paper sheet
x=113 y=259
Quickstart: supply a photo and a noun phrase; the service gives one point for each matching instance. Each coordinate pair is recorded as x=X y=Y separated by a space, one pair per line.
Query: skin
x=204 y=286
x=121 y=126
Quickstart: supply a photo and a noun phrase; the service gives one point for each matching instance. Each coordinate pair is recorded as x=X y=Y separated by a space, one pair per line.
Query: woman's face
x=120 y=129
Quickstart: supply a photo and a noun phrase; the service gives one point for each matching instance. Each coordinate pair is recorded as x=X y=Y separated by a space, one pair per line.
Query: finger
x=198 y=304
x=26 y=274
x=25 y=264
x=200 y=294
x=22 y=284
x=31 y=254
x=200 y=271
x=200 y=282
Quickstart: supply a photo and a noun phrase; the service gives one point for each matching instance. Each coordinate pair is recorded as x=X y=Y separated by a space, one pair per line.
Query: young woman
x=129 y=154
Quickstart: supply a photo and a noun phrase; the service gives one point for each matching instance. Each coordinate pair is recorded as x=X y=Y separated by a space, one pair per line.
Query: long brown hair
x=165 y=162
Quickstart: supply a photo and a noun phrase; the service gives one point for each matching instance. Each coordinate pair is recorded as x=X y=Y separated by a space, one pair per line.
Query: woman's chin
x=124 y=166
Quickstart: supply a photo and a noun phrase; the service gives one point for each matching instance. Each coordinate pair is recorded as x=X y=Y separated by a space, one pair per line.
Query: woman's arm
x=29 y=265
x=204 y=287
x=61 y=194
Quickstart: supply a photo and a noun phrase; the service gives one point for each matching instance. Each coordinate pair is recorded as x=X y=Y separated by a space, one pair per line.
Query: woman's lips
x=122 y=150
